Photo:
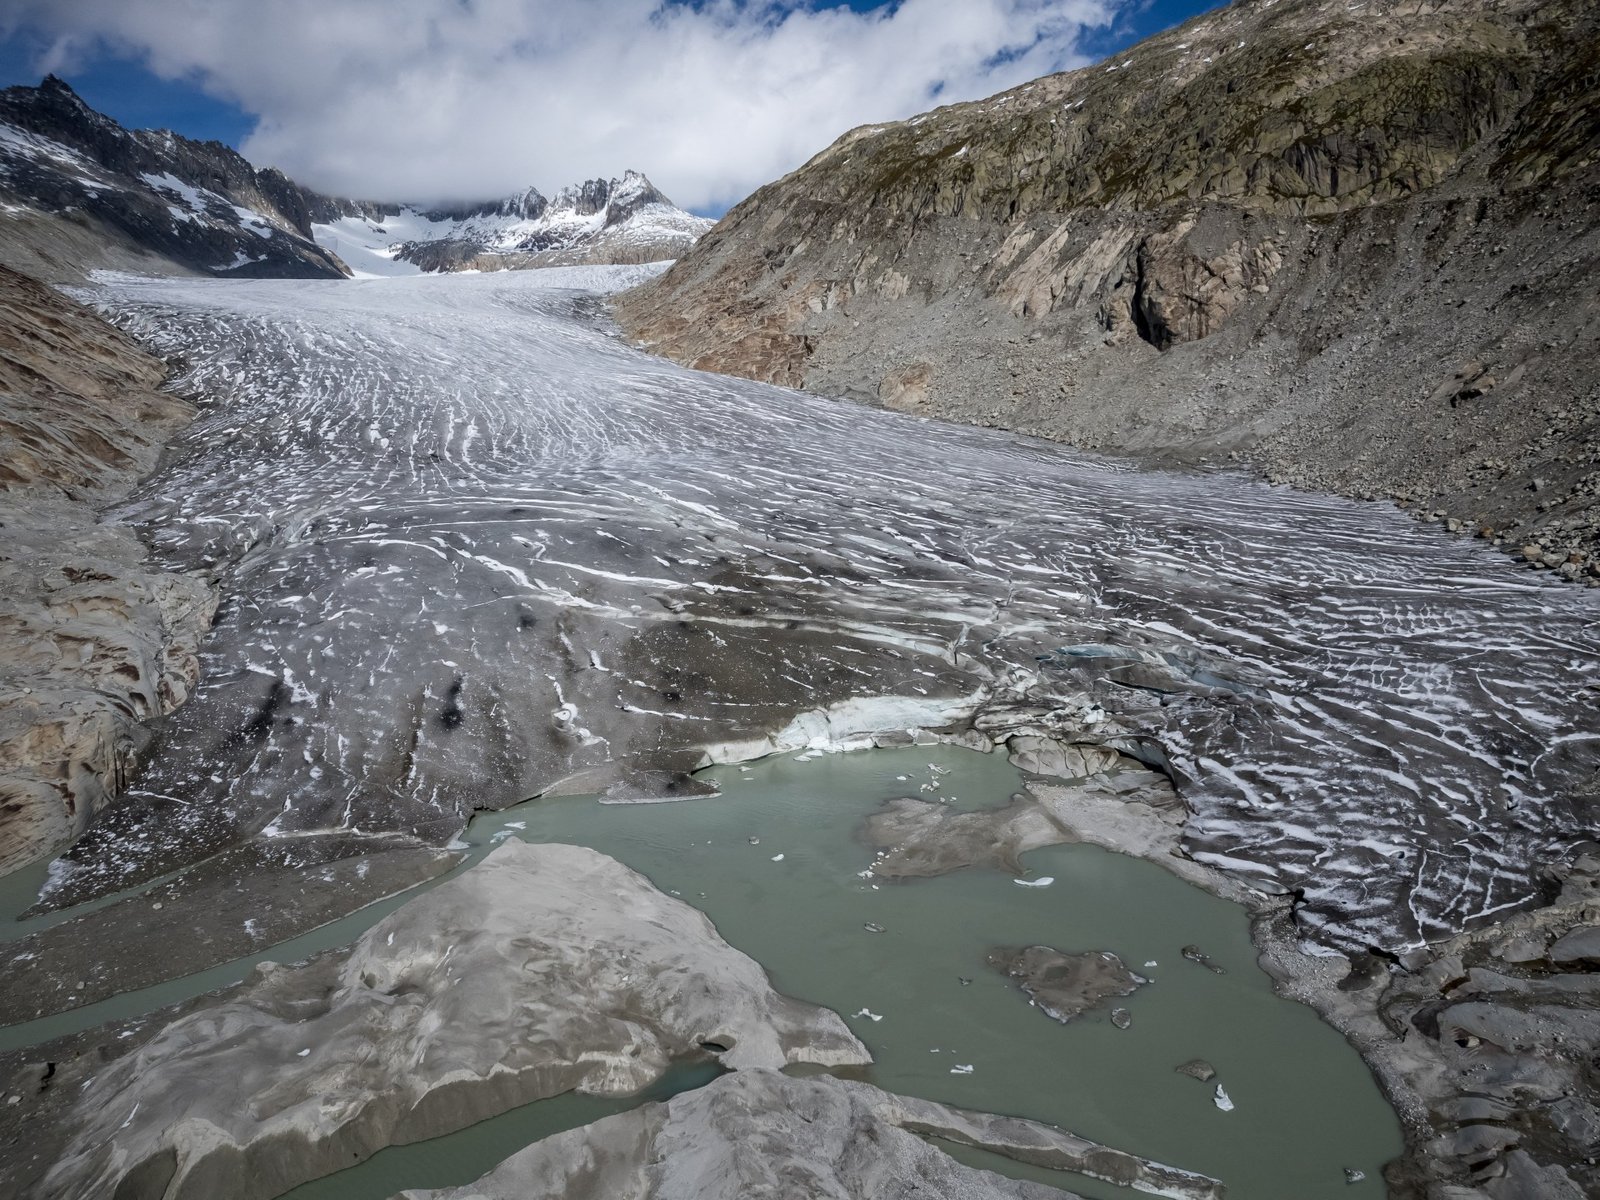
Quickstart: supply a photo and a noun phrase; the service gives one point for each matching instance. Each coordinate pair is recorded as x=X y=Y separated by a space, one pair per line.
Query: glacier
x=473 y=548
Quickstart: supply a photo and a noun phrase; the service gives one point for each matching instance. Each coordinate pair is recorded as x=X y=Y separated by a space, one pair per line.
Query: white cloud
x=436 y=99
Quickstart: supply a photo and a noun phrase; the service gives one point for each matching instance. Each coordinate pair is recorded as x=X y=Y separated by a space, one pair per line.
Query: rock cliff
x=94 y=640
x=1351 y=245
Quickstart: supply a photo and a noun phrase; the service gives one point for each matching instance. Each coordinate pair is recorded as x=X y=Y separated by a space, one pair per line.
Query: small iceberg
x=1221 y=1100
x=1042 y=881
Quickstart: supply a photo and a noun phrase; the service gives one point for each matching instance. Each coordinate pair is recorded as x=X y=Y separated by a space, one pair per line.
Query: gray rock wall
x=94 y=641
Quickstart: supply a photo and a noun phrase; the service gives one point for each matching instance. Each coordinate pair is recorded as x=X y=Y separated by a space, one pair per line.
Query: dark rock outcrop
x=196 y=206
x=1064 y=986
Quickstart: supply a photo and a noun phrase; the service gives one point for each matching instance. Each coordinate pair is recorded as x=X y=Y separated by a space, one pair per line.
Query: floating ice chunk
x=902 y=778
x=869 y=1014
x=516 y=824
x=1221 y=1100
x=303 y=1053
x=1042 y=881
x=1152 y=963
x=777 y=858
x=961 y=1069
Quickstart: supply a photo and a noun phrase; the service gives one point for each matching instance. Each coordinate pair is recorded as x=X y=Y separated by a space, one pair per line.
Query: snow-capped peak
x=623 y=220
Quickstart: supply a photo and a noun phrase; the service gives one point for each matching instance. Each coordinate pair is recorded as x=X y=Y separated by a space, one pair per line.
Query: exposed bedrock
x=1355 y=249
x=93 y=640
x=1486 y=1042
x=544 y=969
x=761 y=1133
x=83 y=193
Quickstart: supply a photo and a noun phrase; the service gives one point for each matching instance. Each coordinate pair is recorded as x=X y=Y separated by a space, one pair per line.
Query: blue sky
x=110 y=46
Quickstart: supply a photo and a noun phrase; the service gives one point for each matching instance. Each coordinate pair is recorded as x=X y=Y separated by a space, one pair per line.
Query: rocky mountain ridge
x=1351 y=246
x=78 y=192
x=626 y=220
x=148 y=193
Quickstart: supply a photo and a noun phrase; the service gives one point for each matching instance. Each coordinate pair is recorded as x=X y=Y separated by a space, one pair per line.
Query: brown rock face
x=93 y=641
x=1279 y=230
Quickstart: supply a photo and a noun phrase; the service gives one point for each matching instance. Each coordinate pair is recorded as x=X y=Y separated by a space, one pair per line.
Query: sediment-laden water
x=776 y=862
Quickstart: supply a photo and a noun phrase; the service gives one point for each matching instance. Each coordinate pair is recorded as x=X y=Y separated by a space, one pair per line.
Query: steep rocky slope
x=147 y=199
x=1352 y=244
x=92 y=640
x=79 y=192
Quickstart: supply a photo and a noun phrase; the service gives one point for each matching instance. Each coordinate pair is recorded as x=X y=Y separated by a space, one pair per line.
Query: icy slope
x=471 y=548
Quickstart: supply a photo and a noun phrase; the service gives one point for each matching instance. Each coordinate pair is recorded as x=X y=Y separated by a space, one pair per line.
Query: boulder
x=1581 y=945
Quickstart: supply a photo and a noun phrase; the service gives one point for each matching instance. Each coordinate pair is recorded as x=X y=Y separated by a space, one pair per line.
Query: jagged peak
x=53 y=90
x=54 y=83
x=625 y=194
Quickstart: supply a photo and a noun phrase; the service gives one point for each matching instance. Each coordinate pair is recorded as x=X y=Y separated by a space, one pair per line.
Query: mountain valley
x=1048 y=653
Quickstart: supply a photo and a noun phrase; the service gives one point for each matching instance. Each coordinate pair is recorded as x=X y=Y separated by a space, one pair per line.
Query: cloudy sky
x=462 y=99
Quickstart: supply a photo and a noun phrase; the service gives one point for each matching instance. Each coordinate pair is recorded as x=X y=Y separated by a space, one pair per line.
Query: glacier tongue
x=472 y=547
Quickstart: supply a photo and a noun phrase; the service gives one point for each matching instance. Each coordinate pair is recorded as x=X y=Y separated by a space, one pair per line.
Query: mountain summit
x=78 y=191
x=624 y=220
